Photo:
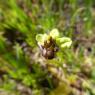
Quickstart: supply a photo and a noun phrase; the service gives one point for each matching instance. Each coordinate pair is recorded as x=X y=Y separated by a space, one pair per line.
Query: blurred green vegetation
x=23 y=71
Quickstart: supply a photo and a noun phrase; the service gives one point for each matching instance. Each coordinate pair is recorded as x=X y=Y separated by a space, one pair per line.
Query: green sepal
x=54 y=33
